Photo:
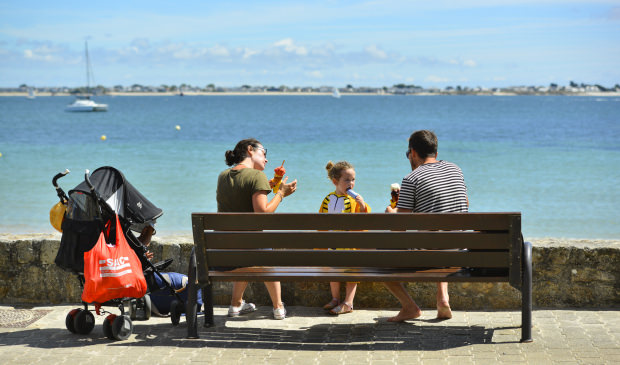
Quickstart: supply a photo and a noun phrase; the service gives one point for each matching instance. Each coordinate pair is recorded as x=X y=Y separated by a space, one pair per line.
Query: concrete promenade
x=37 y=335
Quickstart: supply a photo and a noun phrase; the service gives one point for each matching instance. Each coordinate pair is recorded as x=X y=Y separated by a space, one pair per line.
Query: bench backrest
x=492 y=240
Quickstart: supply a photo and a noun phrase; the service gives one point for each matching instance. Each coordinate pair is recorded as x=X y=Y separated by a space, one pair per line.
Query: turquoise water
x=556 y=159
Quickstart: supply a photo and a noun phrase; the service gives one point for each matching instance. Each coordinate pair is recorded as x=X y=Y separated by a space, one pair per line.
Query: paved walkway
x=309 y=336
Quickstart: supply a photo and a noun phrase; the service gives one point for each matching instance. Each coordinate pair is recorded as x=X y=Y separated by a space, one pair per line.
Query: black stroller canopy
x=120 y=195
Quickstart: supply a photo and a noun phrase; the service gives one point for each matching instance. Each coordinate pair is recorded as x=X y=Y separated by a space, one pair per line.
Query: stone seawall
x=567 y=273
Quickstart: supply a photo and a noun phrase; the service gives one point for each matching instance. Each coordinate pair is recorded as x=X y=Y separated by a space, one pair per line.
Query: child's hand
x=361 y=203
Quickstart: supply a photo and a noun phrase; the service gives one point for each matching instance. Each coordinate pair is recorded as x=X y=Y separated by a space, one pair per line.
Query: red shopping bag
x=112 y=271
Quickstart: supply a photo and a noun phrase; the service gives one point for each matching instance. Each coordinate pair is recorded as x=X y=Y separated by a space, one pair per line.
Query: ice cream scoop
x=395 y=192
x=279 y=172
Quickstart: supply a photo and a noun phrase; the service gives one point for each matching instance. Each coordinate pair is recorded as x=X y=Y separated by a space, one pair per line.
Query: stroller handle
x=61 y=194
x=58 y=176
x=87 y=179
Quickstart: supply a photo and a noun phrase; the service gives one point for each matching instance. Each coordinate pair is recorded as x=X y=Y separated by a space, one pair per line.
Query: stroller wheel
x=69 y=320
x=176 y=309
x=133 y=308
x=140 y=309
x=122 y=328
x=107 y=326
x=84 y=322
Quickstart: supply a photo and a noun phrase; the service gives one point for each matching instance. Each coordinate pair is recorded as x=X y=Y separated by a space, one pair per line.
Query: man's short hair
x=424 y=143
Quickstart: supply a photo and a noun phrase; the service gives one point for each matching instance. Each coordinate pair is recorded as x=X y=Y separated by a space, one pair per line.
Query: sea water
x=555 y=159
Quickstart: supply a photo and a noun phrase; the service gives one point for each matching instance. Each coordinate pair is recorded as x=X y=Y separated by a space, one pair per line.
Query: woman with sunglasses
x=244 y=188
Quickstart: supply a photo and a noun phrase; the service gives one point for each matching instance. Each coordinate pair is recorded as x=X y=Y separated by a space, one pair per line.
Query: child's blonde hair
x=334 y=171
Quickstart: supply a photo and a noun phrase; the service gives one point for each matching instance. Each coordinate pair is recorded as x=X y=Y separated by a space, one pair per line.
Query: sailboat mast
x=87 y=67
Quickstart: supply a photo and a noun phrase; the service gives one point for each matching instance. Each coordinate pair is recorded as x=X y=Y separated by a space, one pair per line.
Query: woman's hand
x=288 y=189
x=261 y=204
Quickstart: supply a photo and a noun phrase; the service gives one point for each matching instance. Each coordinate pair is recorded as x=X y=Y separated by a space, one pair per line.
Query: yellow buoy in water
x=103 y=137
x=0 y=154
x=178 y=127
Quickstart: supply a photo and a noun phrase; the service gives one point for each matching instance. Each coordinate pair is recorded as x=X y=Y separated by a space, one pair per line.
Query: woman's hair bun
x=230 y=157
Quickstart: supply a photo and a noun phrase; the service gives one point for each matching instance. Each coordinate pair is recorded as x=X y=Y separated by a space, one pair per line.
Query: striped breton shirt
x=434 y=188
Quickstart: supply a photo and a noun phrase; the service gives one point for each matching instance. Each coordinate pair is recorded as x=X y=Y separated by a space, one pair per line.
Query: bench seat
x=370 y=274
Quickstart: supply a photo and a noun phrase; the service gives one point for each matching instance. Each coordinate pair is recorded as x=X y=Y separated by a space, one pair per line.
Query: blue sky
x=334 y=43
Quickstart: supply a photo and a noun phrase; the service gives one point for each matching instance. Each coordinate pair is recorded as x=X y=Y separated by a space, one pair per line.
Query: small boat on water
x=85 y=104
x=31 y=94
x=336 y=93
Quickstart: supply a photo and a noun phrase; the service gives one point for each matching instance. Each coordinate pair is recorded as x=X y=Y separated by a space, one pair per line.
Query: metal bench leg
x=192 y=295
x=526 y=294
x=207 y=299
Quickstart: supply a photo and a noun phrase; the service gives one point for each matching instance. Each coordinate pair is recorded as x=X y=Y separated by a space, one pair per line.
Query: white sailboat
x=336 y=93
x=30 y=93
x=83 y=103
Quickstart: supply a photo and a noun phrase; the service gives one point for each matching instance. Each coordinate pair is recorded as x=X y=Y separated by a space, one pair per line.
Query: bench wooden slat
x=360 y=258
x=372 y=221
x=367 y=239
x=354 y=274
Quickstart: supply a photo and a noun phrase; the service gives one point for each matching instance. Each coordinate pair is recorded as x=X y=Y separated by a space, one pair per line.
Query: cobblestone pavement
x=308 y=336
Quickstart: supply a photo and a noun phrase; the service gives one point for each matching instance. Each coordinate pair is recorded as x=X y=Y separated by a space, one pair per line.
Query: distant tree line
x=400 y=88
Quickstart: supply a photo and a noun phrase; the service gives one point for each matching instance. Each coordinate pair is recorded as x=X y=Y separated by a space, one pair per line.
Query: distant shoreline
x=227 y=93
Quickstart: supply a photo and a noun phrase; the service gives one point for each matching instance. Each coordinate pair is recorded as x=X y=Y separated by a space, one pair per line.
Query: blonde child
x=342 y=200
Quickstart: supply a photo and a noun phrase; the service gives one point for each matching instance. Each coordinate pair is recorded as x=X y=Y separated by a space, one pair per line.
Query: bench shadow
x=342 y=337
x=376 y=336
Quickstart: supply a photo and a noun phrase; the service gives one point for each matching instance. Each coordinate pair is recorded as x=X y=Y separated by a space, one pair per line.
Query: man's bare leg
x=410 y=309
x=443 y=301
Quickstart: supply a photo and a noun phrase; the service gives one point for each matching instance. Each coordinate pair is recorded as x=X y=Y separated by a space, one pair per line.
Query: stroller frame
x=117 y=327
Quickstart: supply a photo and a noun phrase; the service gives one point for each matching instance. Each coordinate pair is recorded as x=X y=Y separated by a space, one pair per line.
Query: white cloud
x=290 y=47
x=220 y=51
x=461 y=62
x=247 y=53
x=469 y=63
x=43 y=53
x=375 y=52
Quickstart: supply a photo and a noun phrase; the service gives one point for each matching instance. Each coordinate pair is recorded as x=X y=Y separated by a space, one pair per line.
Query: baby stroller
x=97 y=200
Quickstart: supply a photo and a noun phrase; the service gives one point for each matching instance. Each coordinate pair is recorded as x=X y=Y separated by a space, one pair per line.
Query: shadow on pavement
x=367 y=336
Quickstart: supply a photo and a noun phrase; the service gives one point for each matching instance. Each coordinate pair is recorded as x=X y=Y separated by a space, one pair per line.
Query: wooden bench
x=452 y=247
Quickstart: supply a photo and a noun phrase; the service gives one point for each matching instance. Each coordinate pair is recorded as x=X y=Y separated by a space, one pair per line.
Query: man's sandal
x=342 y=308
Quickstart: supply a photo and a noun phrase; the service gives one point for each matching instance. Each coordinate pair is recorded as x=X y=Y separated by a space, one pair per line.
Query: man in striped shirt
x=433 y=186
